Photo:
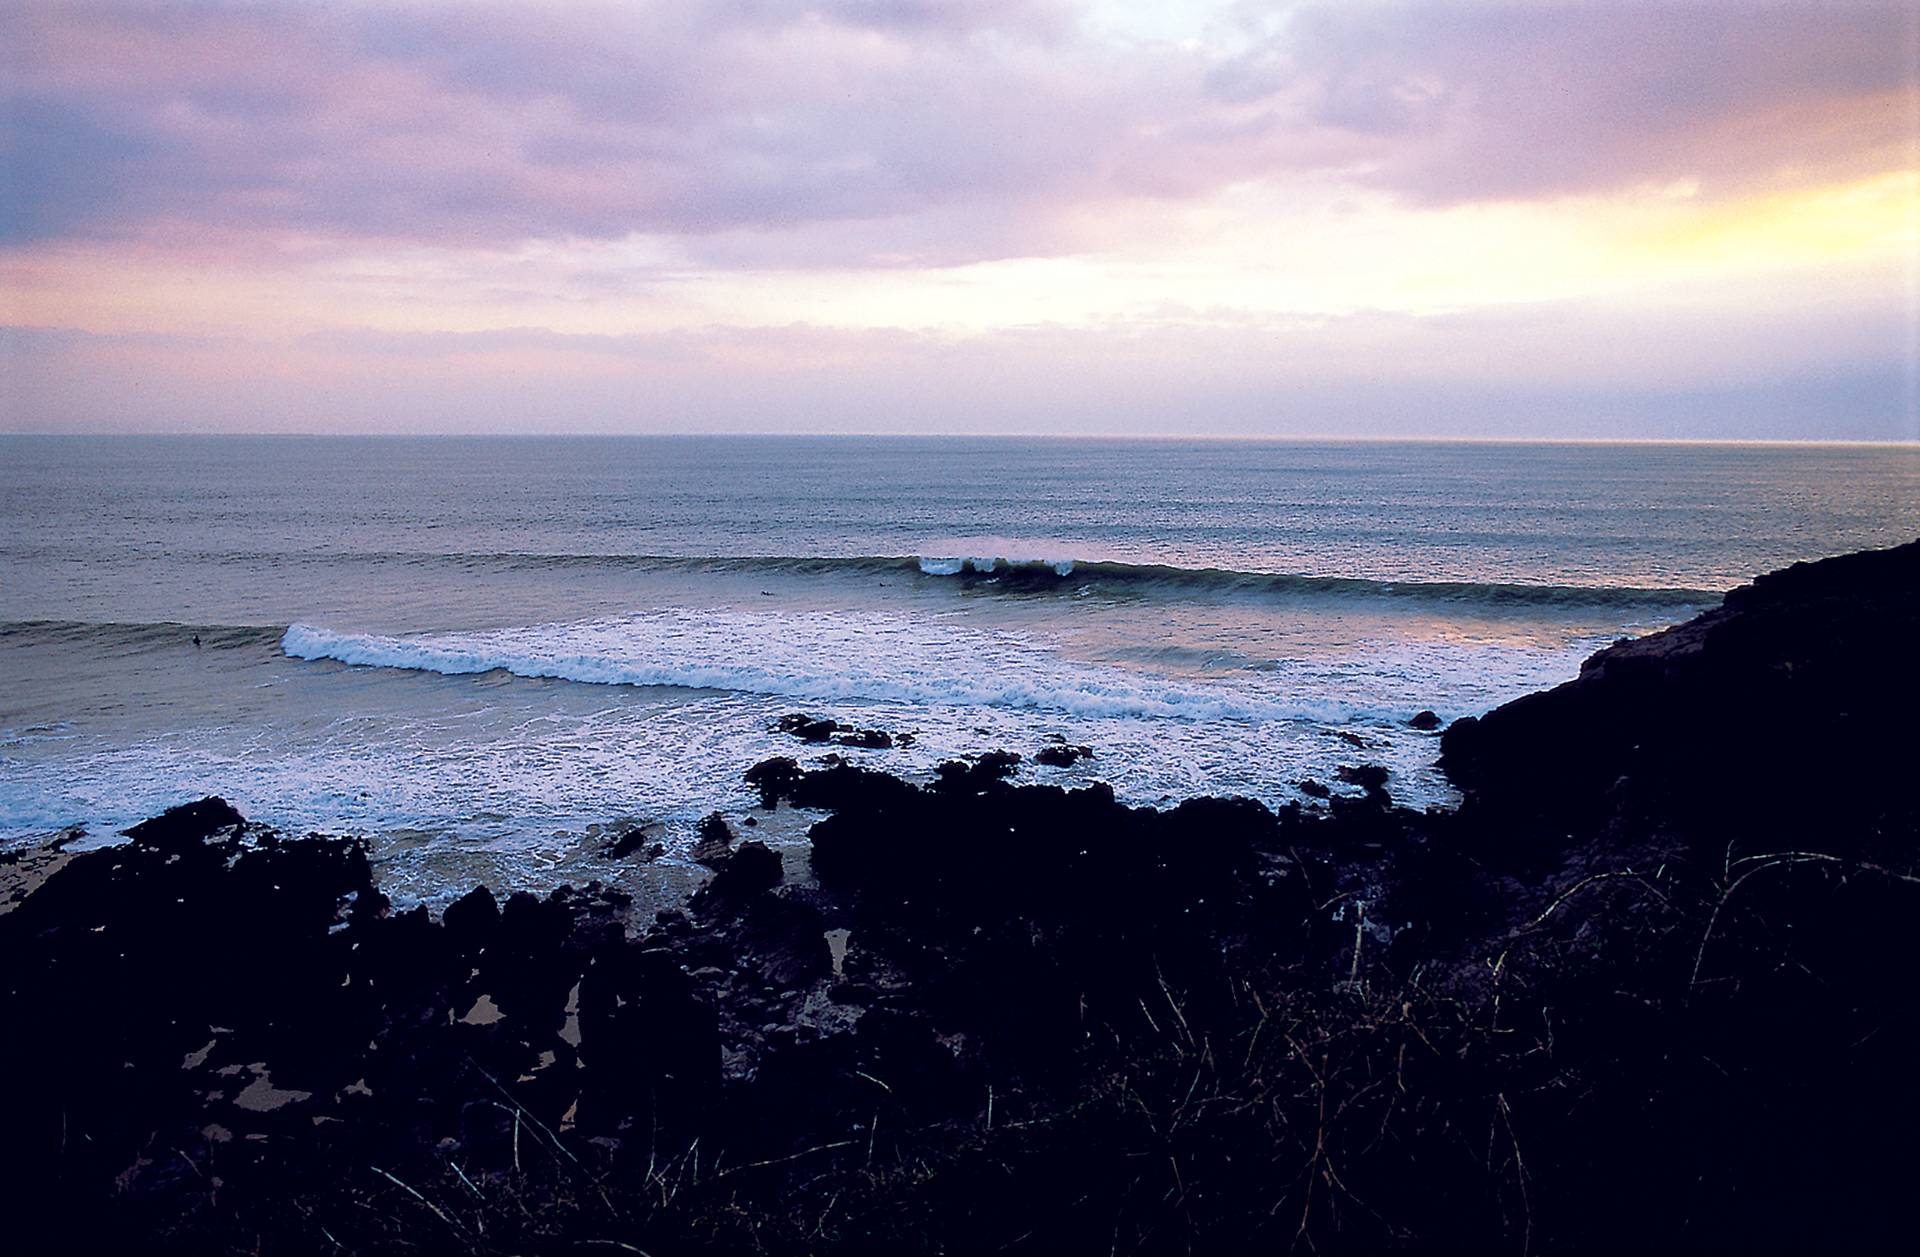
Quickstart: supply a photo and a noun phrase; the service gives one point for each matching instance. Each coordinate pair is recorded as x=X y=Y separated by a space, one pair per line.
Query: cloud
x=63 y=170
x=889 y=132
x=502 y=124
x=1505 y=99
x=960 y=215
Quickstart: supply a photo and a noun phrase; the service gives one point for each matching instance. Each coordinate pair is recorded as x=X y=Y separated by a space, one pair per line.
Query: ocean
x=490 y=656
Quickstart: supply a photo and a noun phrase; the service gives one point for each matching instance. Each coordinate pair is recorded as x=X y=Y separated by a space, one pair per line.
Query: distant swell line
x=1027 y=575
x=1055 y=572
x=141 y=633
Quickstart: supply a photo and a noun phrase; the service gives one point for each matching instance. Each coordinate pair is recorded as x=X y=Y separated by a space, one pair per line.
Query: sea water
x=488 y=654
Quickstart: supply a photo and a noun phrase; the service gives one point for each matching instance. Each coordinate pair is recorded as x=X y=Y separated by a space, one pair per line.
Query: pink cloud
x=888 y=132
x=1506 y=99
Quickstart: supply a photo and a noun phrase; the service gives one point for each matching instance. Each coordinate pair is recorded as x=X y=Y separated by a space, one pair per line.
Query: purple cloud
x=910 y=131
x=1504 y=100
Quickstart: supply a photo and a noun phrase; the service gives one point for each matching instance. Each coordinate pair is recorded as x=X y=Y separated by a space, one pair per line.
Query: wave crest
x=809 y=656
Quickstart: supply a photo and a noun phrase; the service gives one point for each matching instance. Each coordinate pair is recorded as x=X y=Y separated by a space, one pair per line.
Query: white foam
x=822 y=656
x=988 y=564
x=513 y=782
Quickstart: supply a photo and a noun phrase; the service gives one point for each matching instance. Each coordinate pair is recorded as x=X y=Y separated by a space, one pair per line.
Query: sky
x=1628 y=219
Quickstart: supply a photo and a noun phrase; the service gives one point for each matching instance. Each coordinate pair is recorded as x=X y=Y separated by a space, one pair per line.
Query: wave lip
x=988 y=566
x=811 y=656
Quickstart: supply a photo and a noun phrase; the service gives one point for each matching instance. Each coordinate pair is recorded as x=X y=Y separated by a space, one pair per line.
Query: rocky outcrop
x=1792 y=704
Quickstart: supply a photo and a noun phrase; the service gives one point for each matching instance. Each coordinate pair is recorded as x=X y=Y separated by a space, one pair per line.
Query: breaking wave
x=813 y=656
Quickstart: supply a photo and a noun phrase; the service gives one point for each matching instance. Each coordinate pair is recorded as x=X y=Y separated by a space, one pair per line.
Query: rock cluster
x=819 y=729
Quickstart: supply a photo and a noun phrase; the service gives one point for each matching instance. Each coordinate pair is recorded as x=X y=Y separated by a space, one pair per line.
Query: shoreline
x=1628 y=969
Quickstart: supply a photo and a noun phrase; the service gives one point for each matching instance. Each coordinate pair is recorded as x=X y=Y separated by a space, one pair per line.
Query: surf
x=815 y=657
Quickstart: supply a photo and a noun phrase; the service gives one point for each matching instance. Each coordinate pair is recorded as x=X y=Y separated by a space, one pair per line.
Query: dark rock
x=774 y=778
x=713 y=841
x=186 y=825
x=470 y=920
x=1061 y=754
x=781 y=941
x=858 y=994
x=838 y=784
x=628 y=843
x=807 y=728
x=1708 y=718
x=815 y=729
x=997 y=763
x=1313 y=789
x=1425 y=721
x=1369 y=777
x=979 y=772
x=752 y=868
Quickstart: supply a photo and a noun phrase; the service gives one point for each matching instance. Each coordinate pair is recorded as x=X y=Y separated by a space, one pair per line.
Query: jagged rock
x=871 y=739
x=773 y=778
x=978 y=772
x=815 y=729
x=1369 y=777
x=713 y=841
x=471 y=920
x=752 y=868
x=807 y=728
x=633 y=840
x=186 y=825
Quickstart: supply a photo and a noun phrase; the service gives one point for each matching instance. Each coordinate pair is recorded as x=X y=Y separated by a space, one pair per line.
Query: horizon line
x=1222 y=437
